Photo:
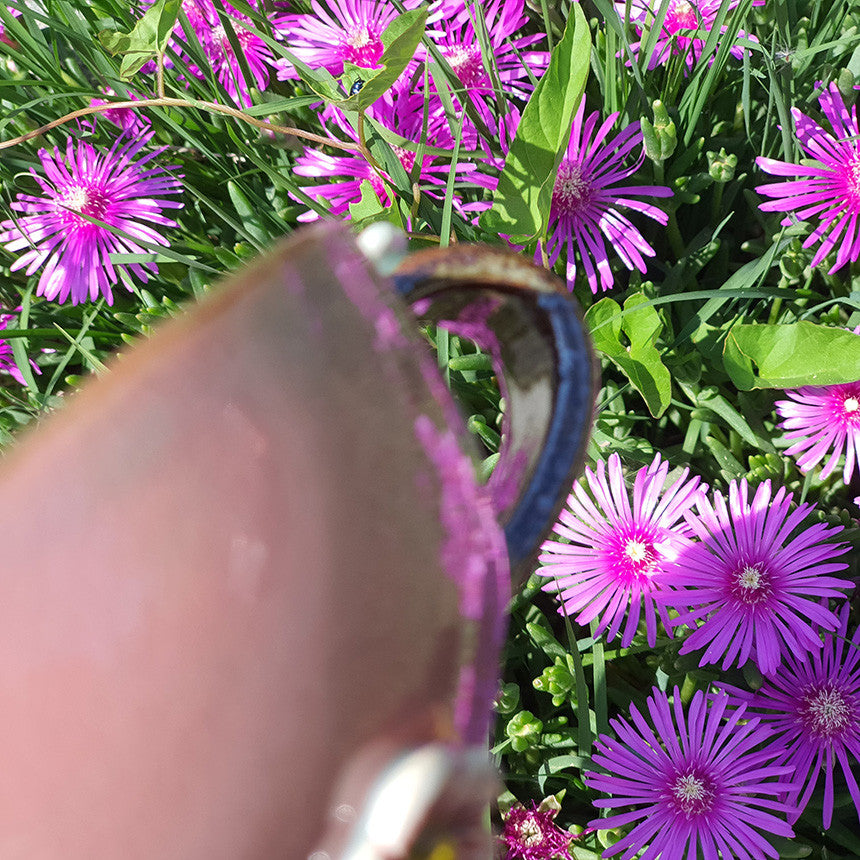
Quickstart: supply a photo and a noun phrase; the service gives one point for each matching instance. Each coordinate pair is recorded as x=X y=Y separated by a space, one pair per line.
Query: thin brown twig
x=183 y=103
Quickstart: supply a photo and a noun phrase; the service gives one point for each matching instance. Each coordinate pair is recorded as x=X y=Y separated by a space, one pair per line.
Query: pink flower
x=109 y=186
x=812 y=705
x=829 y=189
x=685 y=28
x=512 y=56
x=132 y=122
x=823 y=421
x=586 y=200
x=753 y=583
x=531 y=834
x=337 y=32
x=209 y=28
x=616 y=553
x=401 y=111
x=692 y=785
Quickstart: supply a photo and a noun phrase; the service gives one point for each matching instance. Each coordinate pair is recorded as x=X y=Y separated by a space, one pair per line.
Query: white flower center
x=572 y=190
x=681 y=16
x=825 y=711
x=75 y=198
x=80 y=200
x=467 y=65
x=750 y=577
x=751 y=584
x=360 y=46
x=692 y=794
x=852 y=404
x=636 y=550
x=530 y=833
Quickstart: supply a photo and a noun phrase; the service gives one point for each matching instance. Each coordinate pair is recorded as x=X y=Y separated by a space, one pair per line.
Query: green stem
x=676 y=242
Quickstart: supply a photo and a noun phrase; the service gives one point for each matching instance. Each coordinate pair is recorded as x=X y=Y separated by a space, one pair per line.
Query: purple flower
x=685 y=28
x=132 y=122
x=752 y=581
x=823 y=421
x=337 y=32
x=829 y=192
x=3 y=37
x=109 y=186
x=586 y=199
x=401 y=111
x=697 y=783
x=812 y=705
x=531 y=834
x=209 y=28
x=459 y=44
x=617 y=553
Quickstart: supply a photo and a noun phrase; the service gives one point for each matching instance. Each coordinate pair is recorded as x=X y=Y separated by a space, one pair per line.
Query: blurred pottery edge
x=223 y=576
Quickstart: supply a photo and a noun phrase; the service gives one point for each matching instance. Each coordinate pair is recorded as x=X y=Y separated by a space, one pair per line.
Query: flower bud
x=524 y=730
x=721 y=166
x=661 y=138
x=508 y=699
x=556 y=680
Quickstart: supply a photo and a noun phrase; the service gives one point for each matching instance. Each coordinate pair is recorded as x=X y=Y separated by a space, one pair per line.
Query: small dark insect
x=356 y=87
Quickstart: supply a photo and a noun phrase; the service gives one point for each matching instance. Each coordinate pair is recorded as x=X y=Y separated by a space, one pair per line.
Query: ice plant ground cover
x=691 y=171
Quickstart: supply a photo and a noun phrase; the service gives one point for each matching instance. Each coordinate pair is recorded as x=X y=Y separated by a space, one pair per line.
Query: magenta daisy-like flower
x=401 y=111
x=211 y=32
x=691 y=783
x=829 y=189
x=115 y=187
x=586 y=200
x=617 y=552
x=512 y=55
x=755 y=579
x=823 y=421
x=337 y=32
x=812 y=705
x=532 y=834
x=685 y=28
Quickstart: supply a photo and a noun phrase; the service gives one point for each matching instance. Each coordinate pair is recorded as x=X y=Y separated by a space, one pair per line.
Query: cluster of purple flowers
x=752 y=580
x=495 y=64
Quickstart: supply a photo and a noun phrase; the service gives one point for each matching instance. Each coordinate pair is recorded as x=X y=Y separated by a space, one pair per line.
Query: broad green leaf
x=521 y=202
x=148 y=39
x=369 y=209
x=640 y=362
x=788 y=356
x=400 y=38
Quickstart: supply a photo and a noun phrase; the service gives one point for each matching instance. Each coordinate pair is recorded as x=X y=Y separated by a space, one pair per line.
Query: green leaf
x=640 y=362
x=320 y=80
x=788 y=356
x=369 y=209
x=400 y=38
x=522 y=199
x=148 y=38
